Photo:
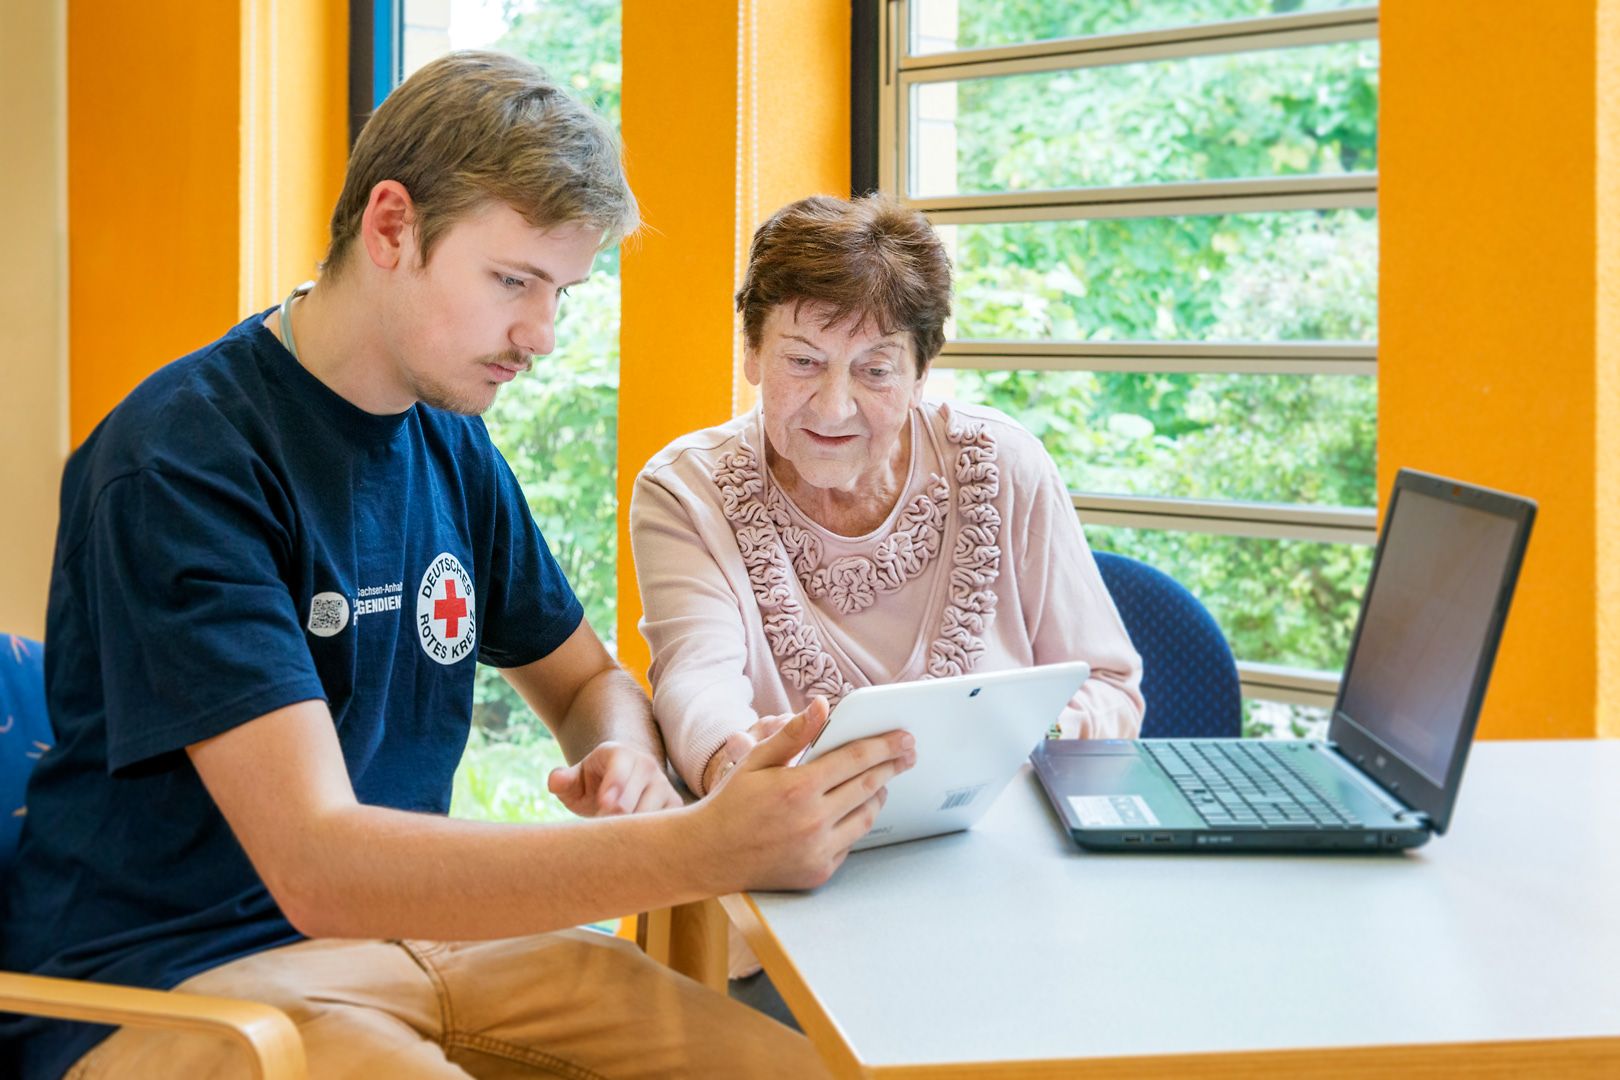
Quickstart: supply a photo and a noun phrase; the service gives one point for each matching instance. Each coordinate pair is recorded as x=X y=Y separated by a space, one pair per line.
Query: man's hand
x=738 y=744
x=614 y=779
x=789 y=828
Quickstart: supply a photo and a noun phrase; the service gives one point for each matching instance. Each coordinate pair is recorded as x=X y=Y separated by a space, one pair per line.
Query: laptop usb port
x=1161 y=838
x=1133 y=838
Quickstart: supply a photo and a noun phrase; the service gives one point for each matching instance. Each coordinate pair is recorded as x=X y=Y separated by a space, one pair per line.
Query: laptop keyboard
x=1247 y=784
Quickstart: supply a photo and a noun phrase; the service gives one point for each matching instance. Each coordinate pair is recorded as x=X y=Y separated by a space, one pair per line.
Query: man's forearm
x=609 y=707
x=374 y=872
x=340 y=868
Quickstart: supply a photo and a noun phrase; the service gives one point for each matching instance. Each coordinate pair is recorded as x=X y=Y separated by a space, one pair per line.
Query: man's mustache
x=512 y=359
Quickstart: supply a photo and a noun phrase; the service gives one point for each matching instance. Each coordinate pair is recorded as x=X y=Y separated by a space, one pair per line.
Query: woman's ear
x=751 y=366
x=917 y=387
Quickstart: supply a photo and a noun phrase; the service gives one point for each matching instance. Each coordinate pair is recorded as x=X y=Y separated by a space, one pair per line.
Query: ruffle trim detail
x=853 y=582
x=776 y=551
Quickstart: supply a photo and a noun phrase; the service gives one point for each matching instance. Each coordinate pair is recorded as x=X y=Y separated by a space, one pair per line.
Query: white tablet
x=972 y=732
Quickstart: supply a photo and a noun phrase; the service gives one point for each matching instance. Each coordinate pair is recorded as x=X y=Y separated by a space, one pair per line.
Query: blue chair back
x=1189 y=679
x=25 y=734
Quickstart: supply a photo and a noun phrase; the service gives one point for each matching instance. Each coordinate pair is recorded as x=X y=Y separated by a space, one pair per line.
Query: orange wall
x=174 y=158
x=675 y=333
x=152 y=190
x=296 y=141
x=680 y=107
x=801 y=124
x=1489 y=311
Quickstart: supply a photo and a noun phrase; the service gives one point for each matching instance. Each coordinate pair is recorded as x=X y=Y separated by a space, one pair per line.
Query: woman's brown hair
x=870 y=258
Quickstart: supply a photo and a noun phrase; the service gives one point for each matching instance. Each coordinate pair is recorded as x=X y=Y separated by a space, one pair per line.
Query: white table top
x=1008 y=943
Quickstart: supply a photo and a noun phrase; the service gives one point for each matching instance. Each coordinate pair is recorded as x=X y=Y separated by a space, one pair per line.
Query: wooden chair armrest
x=268 y=1036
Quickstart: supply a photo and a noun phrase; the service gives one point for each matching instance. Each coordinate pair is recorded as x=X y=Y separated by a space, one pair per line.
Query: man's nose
x=536 y=334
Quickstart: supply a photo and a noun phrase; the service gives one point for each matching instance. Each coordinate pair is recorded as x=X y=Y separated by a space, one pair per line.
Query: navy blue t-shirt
x=234 y=538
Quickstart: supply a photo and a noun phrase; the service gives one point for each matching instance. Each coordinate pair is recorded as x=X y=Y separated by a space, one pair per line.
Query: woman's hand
x=614 y=779
x=737 y=745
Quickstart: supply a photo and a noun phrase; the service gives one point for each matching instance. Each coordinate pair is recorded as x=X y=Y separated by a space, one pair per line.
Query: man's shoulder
x=199 y=417
x=198 y=403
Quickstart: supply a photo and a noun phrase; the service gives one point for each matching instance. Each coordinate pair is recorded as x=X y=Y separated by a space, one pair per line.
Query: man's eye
x=510 y=282
x=562 y=292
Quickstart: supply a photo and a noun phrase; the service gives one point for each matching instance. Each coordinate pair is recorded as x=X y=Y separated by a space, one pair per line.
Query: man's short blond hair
x=472 y=128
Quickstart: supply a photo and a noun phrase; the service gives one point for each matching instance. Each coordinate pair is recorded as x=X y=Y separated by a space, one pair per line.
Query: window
x=557 y=426
x=1163 y=219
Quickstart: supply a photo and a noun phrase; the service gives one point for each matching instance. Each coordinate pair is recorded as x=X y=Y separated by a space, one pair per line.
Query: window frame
x=899 y=72
x=376 y=57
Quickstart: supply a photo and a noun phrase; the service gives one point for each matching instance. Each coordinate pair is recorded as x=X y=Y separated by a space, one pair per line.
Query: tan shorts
x=573 y=1004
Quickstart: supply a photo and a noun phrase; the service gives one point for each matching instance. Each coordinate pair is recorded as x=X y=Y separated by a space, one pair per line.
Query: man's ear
x=388 y=226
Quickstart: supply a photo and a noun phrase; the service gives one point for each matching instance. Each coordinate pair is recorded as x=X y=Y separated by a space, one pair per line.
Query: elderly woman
x=849 y=531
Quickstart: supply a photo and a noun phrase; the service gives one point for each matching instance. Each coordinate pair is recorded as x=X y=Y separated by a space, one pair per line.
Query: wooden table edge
x=1589 y=1057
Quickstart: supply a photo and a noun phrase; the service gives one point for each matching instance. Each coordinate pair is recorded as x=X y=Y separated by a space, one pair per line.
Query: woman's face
x=835 y=399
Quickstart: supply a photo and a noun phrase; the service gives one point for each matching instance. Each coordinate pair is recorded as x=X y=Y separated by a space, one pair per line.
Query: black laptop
x=1387 y=775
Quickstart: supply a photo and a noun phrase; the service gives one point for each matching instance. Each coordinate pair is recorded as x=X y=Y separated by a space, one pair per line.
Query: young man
x=279 y=559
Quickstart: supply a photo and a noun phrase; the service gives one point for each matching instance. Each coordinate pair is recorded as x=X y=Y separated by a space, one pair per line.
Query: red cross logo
x=446 y=610
x=452 y=609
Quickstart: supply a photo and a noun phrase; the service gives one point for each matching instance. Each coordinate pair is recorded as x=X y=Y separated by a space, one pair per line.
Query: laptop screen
x=1438 y=582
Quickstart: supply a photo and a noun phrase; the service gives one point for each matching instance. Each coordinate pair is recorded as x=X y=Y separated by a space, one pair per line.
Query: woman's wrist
x=714 y=768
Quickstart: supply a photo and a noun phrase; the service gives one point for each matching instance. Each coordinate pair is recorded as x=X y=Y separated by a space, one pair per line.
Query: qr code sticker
x=328 y=613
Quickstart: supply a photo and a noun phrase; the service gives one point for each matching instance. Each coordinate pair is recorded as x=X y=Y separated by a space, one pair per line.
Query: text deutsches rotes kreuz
x=446 y=610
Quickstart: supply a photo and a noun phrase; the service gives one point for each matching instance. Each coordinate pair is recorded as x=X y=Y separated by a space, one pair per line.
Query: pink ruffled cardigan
x=751 y=608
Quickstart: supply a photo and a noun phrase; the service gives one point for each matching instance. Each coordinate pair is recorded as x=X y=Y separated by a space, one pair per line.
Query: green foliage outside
x=504 y=779
x=558 y=429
